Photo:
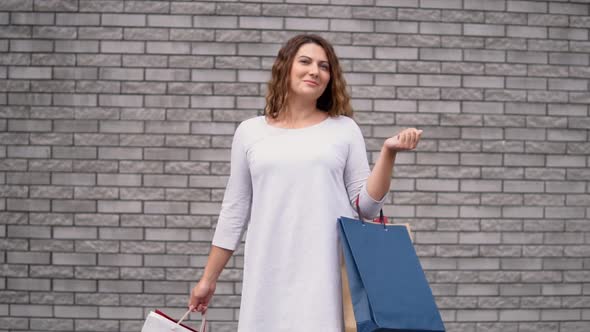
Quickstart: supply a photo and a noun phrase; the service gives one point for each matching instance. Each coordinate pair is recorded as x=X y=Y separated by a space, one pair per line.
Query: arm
x=217 y=260
x=203 y=291
x=380 y=178
x=235 y=213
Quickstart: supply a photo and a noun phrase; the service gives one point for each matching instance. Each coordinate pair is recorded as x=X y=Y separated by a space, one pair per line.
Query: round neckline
x=295 y=129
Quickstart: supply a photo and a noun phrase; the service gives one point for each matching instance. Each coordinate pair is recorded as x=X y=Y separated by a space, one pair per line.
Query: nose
x=314 y=70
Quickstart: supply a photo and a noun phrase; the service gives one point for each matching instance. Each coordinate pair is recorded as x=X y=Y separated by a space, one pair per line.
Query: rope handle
x=382 y=219
x=203 y=320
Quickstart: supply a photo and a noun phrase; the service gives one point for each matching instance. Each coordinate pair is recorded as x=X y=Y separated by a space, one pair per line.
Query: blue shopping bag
x=383 y=281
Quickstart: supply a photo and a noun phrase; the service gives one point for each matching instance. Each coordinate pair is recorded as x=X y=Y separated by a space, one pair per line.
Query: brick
x=28 y=152
x=440 y=28
x=519 y=315
x=123 y=20
x=166 y=207
x=77 y=19
x=109 y=233
x=119 y=260
x=317 y=24
x=200 y=75
x=120 y=312
x=437 y=185
x=396 y=53
x=29 y=45
x=142 y=34
x=396 y=27
x=141 y=167
x=568 y=59
x=253 y=76
x=119 y=286
x=142 y=220
x=169 y=20
x=33 y=18
x=28 y=99
x=507 y=18
x=50 y=192
x=506 y=43
x=142 y=140
x=16 y=204
x=566 y=135
x=42 y=86
x=167 y=74
x=564 y=33
x=522 y=212
x=119 y=206
x=527 y=7
x=120 y=100
x=546 y=96
x=96 y=272
x=119 y=180
x=165 y=180
x=29 y=284
x=565 y=161
x=27 y=178
x=94 y=166
x=483 y=30
x=571 y=9
x=14 y=257
x=100 y=33
x=143 y=87
x=29 y=72
x=549 y=174
x=258 y=50
x=73 y=206
x=168 y=47
x=15 y=5
x=341 y=25
x=95 y=193
x=73 y=259
x=121 y=74
x=165 y=154
x=215 y=21
x=495 y=5
x=440 y=54
x=142 y=193
x=84 y=179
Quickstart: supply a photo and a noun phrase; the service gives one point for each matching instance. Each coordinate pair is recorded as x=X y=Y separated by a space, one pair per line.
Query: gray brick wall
x=116 y=119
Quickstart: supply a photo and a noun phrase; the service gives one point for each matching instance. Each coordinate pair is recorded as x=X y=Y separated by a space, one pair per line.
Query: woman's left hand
x=406 y=140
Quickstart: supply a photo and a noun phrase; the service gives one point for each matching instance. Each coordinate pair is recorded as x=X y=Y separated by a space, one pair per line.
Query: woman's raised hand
x=406 y=140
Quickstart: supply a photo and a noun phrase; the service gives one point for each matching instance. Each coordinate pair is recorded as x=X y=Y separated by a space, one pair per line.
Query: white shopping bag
x=157 y=321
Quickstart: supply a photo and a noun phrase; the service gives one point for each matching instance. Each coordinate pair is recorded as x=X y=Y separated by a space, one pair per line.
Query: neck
x=299 y=110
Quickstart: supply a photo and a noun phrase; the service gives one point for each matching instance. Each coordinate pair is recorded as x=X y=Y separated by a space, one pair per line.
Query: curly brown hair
x=335 y=99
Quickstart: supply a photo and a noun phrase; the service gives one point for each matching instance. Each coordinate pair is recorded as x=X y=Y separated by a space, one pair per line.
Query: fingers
x=197 y=306
x=409 y=138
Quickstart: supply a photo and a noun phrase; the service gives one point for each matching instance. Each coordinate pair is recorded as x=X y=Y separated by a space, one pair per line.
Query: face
x=310 y=72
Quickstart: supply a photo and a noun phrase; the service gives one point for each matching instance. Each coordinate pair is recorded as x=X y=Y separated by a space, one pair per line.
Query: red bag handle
x=381 y=220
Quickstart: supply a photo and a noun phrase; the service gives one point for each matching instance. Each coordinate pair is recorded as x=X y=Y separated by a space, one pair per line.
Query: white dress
x=289 y=186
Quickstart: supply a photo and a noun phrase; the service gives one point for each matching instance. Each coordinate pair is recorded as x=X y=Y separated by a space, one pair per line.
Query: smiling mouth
x=311 y=82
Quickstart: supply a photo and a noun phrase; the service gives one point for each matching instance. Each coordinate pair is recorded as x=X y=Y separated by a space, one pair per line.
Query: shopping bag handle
x=203 y=320
x=382 y=219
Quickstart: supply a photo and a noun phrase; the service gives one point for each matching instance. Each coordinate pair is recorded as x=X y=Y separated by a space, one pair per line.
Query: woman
x=294 y=171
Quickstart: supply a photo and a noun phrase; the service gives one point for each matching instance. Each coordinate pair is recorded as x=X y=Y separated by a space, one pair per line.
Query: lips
x=311 y=82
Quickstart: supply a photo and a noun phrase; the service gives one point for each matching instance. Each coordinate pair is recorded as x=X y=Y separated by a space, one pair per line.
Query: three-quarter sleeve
x=356 y=174
x=235 y=208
